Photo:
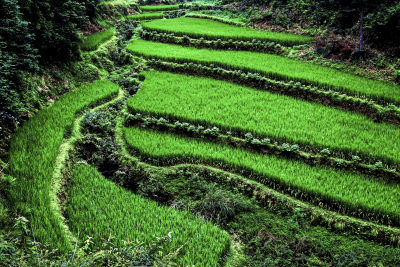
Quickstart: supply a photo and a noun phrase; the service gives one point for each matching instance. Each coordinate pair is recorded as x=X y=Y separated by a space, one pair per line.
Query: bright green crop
x=93 y=41
x=220 y=103
x=146 y=16
x=98 y=208
x=33 y=153
x=159 y=7
x=210 y=29
x=354 y=191
x=273 y=66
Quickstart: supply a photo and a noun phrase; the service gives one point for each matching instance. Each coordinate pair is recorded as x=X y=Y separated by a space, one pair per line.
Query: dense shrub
x=220 y=206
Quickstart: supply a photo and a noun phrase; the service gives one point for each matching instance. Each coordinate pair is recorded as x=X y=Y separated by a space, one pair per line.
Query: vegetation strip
x=264 y=145
x=58 y=180
x=344 y=191
x=33 y=153
x=379 y=113
x=99 y=208
x=273 y=67
x=146 y=16
x=219 y=19
x=260 y=46
x=272 y=199
x=93 y=41
x=159 y=7
x=241 y=109
x=212 y=30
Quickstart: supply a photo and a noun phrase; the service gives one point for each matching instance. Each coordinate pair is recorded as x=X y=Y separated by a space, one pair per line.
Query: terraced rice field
x=209 y=29
x=92 y=41
x=154 y=8
x=33 y=155
x=235 y=107
x=206 y=103
x=146 y=16
x=348 y=207
x=136 y=218
x=273 y=66
x=334 y=186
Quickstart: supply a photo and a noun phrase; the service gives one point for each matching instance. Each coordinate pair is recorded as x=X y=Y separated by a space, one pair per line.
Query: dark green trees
x=16 y=54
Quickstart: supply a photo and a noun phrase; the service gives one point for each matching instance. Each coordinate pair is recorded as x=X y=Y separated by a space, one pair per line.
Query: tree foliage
x=55 y=25
x=16 y=54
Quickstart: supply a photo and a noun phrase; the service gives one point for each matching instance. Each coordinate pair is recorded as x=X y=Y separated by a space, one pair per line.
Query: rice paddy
x=334 y=186
x=235 y=107
x=210 y=29
x=153 y=8
x=120 y=185
x=272 y=66
x=109 y=210
x=33 y=154
x=94 y=40
x=146 y=16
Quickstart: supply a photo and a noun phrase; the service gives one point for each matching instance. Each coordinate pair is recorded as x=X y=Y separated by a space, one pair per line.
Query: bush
x=99 y=151
x=98 y=122
x=221 y=206
x=86 y=72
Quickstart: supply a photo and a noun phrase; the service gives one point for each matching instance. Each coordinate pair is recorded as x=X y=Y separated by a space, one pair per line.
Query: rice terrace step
x=199 y=133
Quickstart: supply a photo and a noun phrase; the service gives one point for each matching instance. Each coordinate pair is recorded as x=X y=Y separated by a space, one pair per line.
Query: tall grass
x=159 y=8
x=210 y=29
x=33 y=153
x=243 y=109
x=98 y=208
x=272 y=66
x=339 y=188
x=146 y=16
x=93 y=41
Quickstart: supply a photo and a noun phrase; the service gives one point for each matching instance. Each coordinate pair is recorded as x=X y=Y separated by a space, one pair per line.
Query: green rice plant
x=230 y=21
x=93 y=41
x=146 y=16
x=344 y=191
x=238 y=108
x=98 y=208
x=272 y=66
x=211 y=29
x=126 y=3
x=153 y=8
x=33 y=153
